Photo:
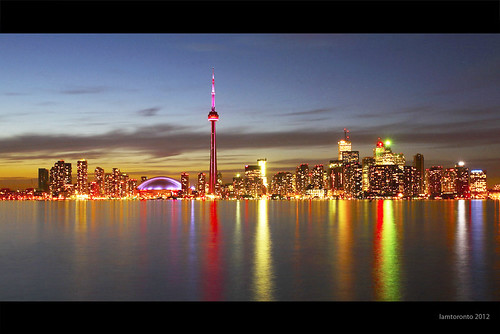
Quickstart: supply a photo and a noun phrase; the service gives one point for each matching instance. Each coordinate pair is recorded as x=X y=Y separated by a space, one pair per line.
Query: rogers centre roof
x=160 y=183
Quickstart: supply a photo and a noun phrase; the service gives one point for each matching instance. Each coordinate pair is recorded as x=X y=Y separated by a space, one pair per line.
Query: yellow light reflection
x=263 y=273
x=387 y=271
x=462 y=252
x=344 y=250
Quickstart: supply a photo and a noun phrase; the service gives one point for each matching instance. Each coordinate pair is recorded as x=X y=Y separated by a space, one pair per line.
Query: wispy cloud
x=149 y=111
x=85 y=90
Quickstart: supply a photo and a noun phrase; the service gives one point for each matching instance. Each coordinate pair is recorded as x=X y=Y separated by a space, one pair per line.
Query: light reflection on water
x=250 y=250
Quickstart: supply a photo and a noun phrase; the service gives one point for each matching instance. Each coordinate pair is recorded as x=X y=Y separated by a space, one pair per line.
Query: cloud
x=85 y=90
x=309 y=112
x=149 y=111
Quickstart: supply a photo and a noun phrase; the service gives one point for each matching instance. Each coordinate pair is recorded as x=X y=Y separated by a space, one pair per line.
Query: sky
x=139 y=102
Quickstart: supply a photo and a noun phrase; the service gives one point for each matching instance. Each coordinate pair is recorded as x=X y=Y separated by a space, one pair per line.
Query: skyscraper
x=185 y=183
x=262 y=163
x=344 y=144
x=212 y=118
x=81 y=177
x=43 y=179
x=418 y=163
x=302 y=178
x=99 y=180
x=435 y=178
x=60 y=175
x=201 y=184
x=462 y=180
x=478 y=188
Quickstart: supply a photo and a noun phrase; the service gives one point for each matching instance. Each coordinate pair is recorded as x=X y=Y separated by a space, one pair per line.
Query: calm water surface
x=250 y=250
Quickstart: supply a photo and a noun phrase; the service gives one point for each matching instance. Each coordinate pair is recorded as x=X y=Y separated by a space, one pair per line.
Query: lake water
x=254 y=250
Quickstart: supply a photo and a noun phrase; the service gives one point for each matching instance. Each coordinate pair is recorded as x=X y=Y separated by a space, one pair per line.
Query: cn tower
x=212 y=118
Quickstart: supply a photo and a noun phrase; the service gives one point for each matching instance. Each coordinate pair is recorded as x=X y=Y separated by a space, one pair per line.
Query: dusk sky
x=140 y=102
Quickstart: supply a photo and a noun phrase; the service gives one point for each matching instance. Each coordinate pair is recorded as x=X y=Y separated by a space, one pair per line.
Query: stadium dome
x=160 y=183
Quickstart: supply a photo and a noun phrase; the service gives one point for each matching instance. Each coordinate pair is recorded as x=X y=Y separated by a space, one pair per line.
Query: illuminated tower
x=212 y=118
x=81 y=176
x=344 y=144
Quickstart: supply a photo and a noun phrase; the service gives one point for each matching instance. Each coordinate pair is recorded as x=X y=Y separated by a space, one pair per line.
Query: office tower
x=418 y=163
x=282 y=184
x=132 y=184
x=366 y=163
x=353 y=180
x=60 y=176
x=200 y=187
x=411 y=181
x=478 y=188
x=43 y=179
x=462 y=183
x=335 y=173
x=350 y=157
x=238 y=186
x=302 y=179
x=385 y=180
x=185 y=183
x=317 y=177
x=82 y=177
x=344 y=145
x=212 y=118
x=218 y=185
x=253 y=181
x=382 y=153
x=108 y=184
x=435 y=177
x=263 y=166
x=449 y=181
x=99 y=180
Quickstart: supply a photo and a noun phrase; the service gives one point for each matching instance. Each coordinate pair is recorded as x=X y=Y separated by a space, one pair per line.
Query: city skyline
x=286 y=98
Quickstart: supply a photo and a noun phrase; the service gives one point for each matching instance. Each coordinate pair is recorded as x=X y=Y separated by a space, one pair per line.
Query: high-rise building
x=212 y=118
x=353 y=180
x=478 y=189
x=344 y=145
x=253 y=181
x=449 y=182
x=336 y=177
x=263 y=166
x=238 y=186
x=282 y=184
x=317 y=177
x=302 y=179
x=366 y=163
x=200 y=187
x=418 y=163
x=185 y=183
x=462 y=182
x=411 y=181
x=435 y=178
x=385 y=180
x=82 y=177
x=99 y=181
x=43 y=179
x=60 y=176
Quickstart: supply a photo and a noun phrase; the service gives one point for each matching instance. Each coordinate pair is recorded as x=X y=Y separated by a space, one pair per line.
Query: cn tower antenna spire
x=213 y=89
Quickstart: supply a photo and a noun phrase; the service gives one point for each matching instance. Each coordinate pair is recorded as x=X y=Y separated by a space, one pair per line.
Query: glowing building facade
x=82 y=177
x=344 y=145
x=478 y=188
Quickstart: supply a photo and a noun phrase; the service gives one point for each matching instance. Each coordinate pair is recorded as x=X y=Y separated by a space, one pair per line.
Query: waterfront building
x=435 y=176
x=99 y=181
x=238 y=186
x=317 y=177
x=353 y=180
x=335 y=173
x=253 y=181
x=411 y=181
x=60 y=175
x=366 y=163
x=462 y=182
x=201 y=185
x=302 y=179
x=418 y=163
x=43 y=179
x=478 y=188
x=449 y=182
x=213 y=117
x=82 y=177
x=384 y=180
x=263 y=165
x=185 y=183
x=282 y=184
